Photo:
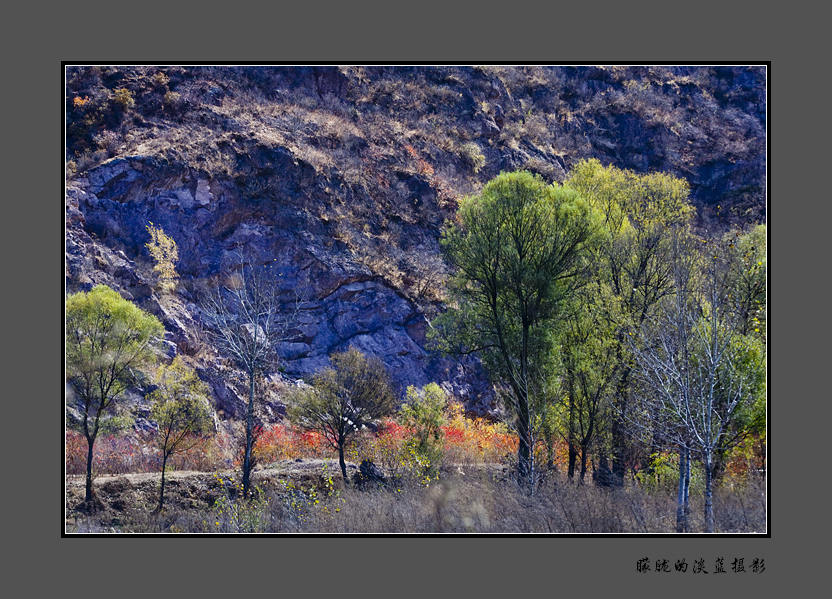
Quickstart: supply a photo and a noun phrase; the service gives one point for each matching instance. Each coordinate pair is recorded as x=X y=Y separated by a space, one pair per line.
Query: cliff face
x=342 y=178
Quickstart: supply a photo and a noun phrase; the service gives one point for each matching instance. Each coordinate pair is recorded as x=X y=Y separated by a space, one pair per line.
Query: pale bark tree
x=247 y=317
x=698 y=372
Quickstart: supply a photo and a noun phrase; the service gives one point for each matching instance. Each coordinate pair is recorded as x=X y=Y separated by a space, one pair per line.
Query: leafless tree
x=697 y=372
x=247 y=317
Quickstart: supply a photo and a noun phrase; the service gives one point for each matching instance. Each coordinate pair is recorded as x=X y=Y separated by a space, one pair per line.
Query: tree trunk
x=619 y=448
x=619 y=439
x=573 y=452
x=573 y=456
x=681 y=523
x=341 y=462
x=709 y=506
x=525 y=457
x=583 y=462
x=88 y=494
x=249 y=437
x=162 y=486
x=687 y=488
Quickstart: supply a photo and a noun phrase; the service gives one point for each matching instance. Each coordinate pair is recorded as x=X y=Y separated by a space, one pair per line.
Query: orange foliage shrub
x=283 y=442
x=466 y=441
x=476 y=440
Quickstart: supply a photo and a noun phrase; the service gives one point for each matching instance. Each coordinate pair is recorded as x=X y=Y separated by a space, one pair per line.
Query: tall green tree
x=424 y=413
x=179 y=407
x=109 y=341
x=743 y=258
x=747 y=278
x=518 y=251
x=588 y=354
x=642 y=214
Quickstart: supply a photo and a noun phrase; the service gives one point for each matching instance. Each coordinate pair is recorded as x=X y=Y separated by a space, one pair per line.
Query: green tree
x=518 y=250
x=743 y=257
x=642 y=214
x=109 y=340
x=165 y=255
x=179 y=406
x=352 y=393
x=424 y=413
x=588 y=353
x=747 y=278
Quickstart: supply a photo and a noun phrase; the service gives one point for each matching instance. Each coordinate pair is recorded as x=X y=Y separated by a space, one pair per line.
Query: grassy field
x=309 y=496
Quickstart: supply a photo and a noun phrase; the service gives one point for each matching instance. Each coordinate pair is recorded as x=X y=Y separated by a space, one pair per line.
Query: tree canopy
x=109 y=341
x=518 y=250
x=352 y=393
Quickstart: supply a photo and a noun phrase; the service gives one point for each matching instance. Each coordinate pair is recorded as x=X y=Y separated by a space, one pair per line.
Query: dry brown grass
x=478 y=500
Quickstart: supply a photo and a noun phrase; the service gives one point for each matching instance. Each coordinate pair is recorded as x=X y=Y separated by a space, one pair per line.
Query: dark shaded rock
x=368 y=474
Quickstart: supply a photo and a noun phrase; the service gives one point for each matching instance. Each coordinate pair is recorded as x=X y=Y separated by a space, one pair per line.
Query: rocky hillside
x=344 y=175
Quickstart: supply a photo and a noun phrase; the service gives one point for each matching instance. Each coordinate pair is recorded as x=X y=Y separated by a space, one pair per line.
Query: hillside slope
x=344 y=176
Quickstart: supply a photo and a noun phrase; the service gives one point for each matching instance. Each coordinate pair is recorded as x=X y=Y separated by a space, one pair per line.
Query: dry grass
x=477 y=500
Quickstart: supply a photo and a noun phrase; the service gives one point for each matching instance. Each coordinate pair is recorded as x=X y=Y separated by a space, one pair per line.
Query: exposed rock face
x=342 y=177
x=343 y=303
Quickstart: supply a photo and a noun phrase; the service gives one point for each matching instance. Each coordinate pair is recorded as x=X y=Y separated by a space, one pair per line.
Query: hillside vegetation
x=538 y=274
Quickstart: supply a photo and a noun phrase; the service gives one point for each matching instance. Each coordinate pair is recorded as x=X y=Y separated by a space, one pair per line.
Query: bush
x=234 y=513
x=472 y=155
x=160 y=80
x=108 y=141
x=173 y=101
x=424 y=414
x=124 y=98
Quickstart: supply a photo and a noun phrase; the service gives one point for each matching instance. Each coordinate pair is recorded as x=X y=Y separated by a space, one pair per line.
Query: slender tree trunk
x=525 y=470
x=573 y=452
x=681 y=523
x=249 y=437
x=709 y=506
x=573 y=456
x=88 y=494
x=619 y=442
x=619 y=439
x=162 y=486
x=687 y=488
x=341 y=462
x=584 y=453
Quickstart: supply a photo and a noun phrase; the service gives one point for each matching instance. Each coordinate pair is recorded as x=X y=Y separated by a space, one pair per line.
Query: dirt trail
x=194 y=489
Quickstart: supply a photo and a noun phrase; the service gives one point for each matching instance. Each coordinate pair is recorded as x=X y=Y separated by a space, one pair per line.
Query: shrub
x=160 y=80
x=472 y=155
x=234 y=513
x=124 y=98
x=165 y=255
x=424 y=415
x=172 y=100
x=281 y=442
x=107 y=141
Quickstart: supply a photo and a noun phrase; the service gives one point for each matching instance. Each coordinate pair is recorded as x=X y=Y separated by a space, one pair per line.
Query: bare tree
x=247 y=318
x=698 y=372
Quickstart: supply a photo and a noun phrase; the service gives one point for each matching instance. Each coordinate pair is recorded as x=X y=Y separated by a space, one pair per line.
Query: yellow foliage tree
x=165 y=254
